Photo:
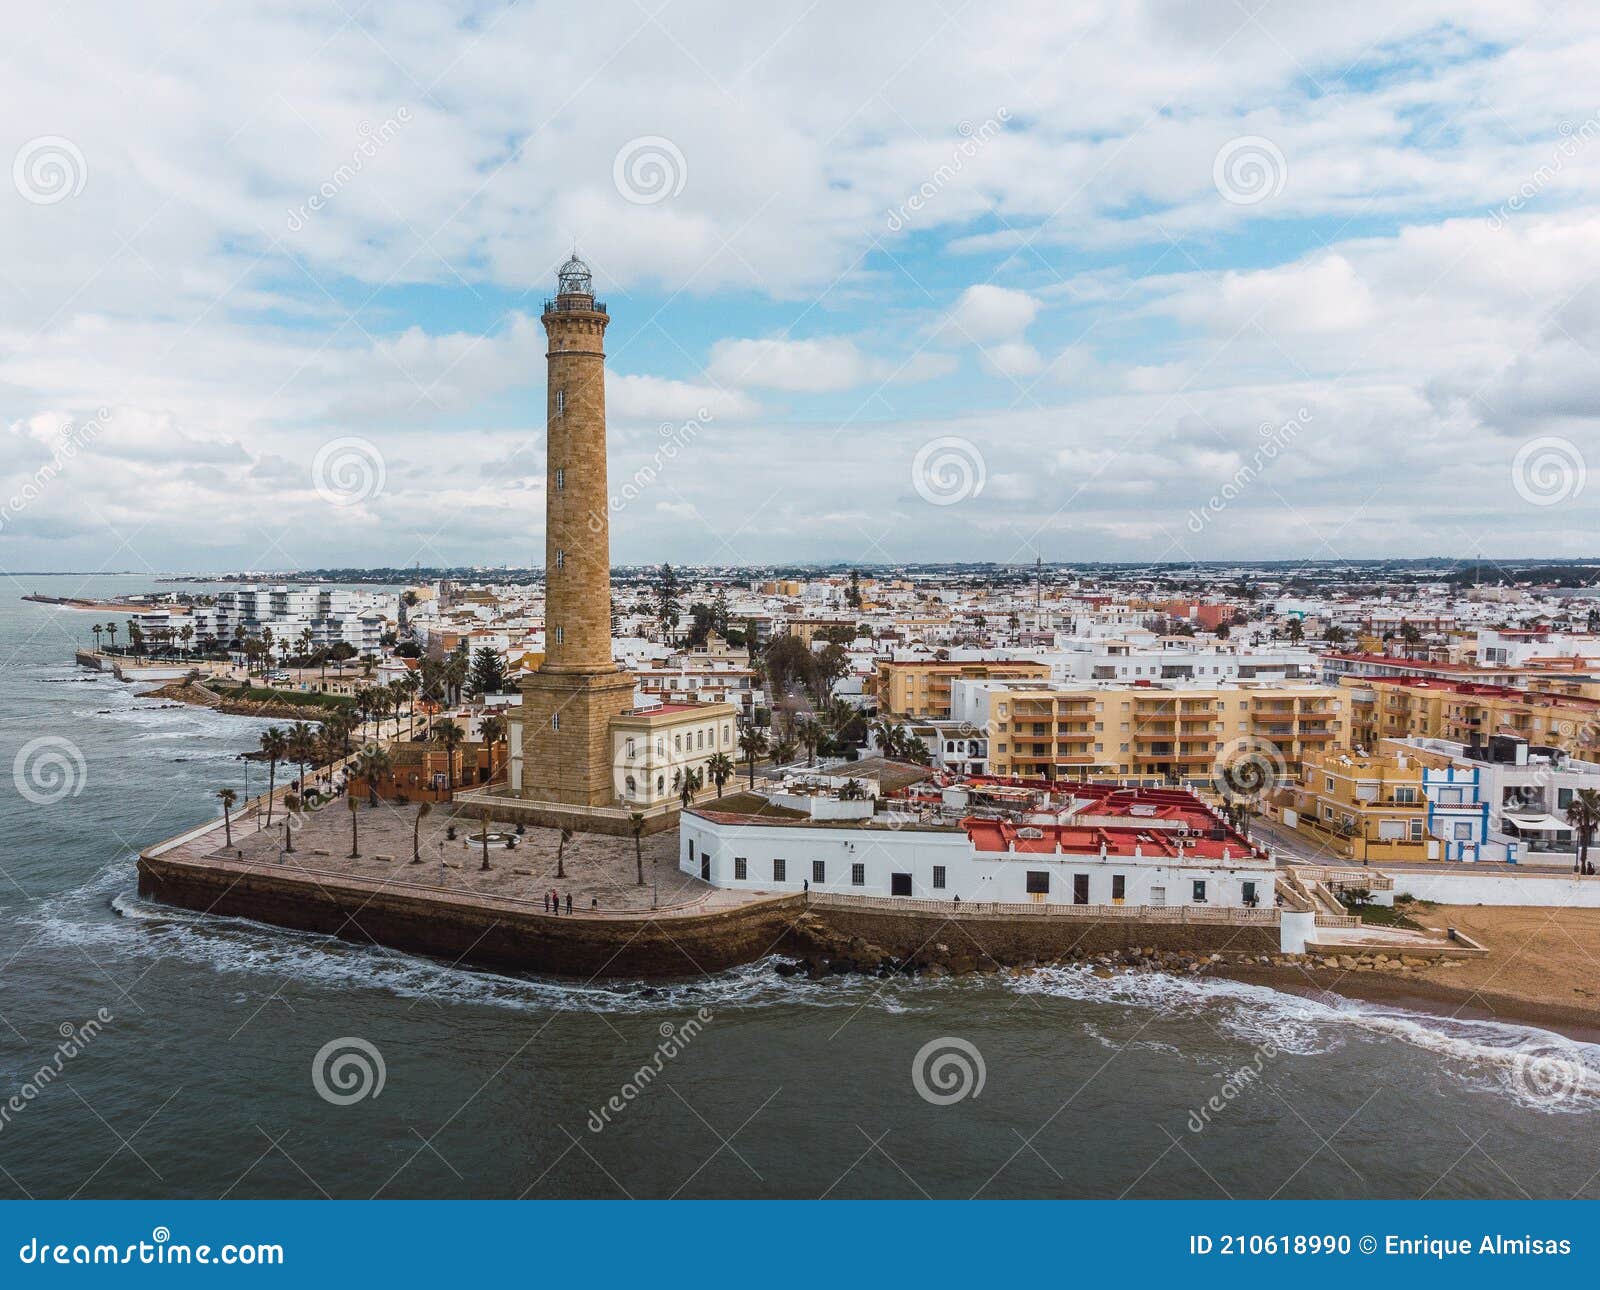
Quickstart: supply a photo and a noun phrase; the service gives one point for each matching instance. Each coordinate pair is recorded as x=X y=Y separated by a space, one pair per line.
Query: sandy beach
x=1543 y=969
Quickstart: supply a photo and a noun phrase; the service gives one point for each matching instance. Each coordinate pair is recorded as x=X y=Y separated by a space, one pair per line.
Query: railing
x=1333 y=876
x=1088 y=913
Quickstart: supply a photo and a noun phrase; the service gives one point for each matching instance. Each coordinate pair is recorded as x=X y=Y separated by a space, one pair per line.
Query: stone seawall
x=488 y=932
x=1016 y=939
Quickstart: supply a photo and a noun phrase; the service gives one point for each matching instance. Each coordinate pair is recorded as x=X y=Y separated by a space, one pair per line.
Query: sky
x=939 y=281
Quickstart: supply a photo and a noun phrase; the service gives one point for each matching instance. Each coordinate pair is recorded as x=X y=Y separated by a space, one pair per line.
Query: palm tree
x=372 y=763
x=354 y=803
x=227 y=797
x=1583 y=813
x=752 y=743
x=423 y=812
x=851 y=791
x=397 y=698
x=783 y=752
x=485 y=866
x=720 y=768
x=187 y=636
x=561 y=853
x=302 y=746
x=636 y=820
x=690 y=786
x=809 y=733
x=96 y=629
x=111 y=631
x=274 y=744
x=450 y=735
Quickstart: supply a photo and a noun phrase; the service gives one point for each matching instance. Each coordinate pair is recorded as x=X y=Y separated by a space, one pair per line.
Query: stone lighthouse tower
x=567 y=705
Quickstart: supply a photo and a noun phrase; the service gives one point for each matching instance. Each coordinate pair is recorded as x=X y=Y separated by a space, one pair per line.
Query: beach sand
x=1543 y=969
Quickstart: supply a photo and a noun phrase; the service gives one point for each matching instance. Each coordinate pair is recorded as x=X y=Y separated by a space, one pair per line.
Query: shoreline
x=1425 y=997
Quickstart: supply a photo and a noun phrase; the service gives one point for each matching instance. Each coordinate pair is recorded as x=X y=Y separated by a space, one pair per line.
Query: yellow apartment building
x=922 y=689
x=1148 y=731
x=1365 y=807
x=1392 y=708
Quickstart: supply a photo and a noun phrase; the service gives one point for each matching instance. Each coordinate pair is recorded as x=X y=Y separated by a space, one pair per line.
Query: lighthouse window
x=561 y=635
x=555 y=721
x=561 y=478
x=561 y=402
x=561 y=559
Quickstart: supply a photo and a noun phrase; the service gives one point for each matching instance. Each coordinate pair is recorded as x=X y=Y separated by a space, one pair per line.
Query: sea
x=149 y=1052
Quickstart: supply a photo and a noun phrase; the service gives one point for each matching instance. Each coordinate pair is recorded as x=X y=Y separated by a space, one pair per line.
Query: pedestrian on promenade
x=569 y=902
x=547 y=902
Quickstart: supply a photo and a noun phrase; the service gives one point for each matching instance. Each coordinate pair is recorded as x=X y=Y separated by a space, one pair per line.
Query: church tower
x=568 y=704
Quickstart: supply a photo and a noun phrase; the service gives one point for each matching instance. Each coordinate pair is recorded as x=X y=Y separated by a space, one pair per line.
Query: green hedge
x=306 y=698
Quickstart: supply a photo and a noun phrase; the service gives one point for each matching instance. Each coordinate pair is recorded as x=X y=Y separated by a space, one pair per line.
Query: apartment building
x=1365 y=807
x=923 y=689
x=1466 y=712
x=1174 y=732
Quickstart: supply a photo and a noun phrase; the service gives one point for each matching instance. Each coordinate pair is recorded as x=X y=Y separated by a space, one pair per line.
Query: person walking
x=569 y=902
x=547 y=902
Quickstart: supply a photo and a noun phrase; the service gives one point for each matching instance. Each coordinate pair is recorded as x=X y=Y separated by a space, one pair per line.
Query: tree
x=783 y=752
x=1583 y=814
x=484 y=867
x=720 y=769
x=227 y=797
x=852 y=791
x=852 y=595
x=451 y=736
x=95 y=629
x=719 y=613
x=302 y=746
x=668 y=606
x=487 y=674
x=354 y=803
x=493 y=730
x=423 y=811
x=636 y=822
x=274 y=743
x=111 y=631
x=810 y=734
x=561 y=852
x=752 y=743
x=372 y=764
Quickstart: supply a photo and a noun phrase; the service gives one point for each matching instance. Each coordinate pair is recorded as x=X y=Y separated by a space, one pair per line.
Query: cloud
x=815 y=366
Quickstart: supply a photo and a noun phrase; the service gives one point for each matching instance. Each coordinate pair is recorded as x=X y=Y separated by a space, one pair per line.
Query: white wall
x=968 y=874
x=1453 y=887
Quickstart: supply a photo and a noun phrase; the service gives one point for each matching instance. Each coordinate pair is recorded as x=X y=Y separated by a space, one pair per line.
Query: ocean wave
x=230 y=946
x=1540 y=1069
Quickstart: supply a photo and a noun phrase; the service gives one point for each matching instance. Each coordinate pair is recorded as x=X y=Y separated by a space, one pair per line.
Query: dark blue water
x=203 y=1078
